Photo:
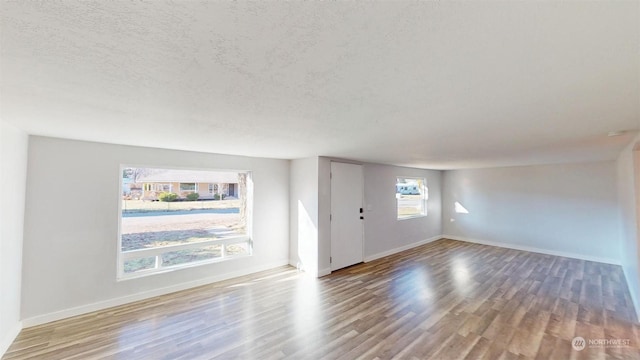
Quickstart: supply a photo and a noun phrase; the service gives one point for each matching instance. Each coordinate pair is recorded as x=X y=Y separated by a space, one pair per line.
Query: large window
x=171 y=218
x=411 y=197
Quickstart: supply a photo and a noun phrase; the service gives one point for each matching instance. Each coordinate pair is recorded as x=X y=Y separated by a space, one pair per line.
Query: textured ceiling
x=436 y=85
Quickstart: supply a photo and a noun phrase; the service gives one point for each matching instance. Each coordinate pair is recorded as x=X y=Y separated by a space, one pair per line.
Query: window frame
x=424 y=192
x=157 y=252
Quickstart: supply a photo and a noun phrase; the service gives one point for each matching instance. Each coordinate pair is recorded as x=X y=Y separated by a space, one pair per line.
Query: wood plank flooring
x=443 y=300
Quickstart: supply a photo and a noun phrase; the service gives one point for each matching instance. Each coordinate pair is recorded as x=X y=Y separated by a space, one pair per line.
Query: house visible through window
x=411 y=197
x=175 y=218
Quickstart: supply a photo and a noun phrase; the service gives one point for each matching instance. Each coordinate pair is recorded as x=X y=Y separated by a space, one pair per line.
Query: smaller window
x=161 y=187
x=411 y=197
x=187 y=186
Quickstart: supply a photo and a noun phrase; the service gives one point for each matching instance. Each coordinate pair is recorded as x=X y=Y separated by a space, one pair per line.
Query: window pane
x=157 y=213
x=191 y=255
x=134 y=265
x=187 y=187
x=237 y=249
x=411 y=197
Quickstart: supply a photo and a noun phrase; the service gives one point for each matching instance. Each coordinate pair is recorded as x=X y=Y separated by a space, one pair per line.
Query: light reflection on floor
x=390 y=307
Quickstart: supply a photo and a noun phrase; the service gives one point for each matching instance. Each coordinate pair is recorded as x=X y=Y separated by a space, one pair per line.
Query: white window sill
x=412 y=217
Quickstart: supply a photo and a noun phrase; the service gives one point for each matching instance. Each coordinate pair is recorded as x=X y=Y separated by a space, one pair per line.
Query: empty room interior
x=319 y=180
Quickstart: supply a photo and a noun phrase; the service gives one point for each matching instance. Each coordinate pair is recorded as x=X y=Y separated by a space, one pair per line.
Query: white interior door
x=346 y=215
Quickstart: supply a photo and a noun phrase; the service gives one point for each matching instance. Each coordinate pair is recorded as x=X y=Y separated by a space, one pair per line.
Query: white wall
x=13 y=173
x=70 y=246
x=569 y=209
x=384 y=233
x=71 y=225
x=628 y=166
x=324 y=216
x=303 y=217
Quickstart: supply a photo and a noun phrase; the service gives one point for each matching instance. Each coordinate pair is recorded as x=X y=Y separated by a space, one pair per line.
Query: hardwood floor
x=443 y=300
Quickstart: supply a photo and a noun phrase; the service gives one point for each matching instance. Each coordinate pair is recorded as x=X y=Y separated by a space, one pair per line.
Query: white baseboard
x=8 y=339
x=534 y=249
x=101 y=305
x=401 y=248
x=296 y=264
x=324 y=272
